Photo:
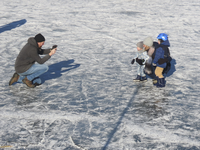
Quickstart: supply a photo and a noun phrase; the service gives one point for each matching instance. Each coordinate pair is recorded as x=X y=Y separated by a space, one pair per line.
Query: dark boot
x=28 y=83
x=143 y=79
x=137 y=79
x=161 y=82
x=35 y=82
x=14 y=78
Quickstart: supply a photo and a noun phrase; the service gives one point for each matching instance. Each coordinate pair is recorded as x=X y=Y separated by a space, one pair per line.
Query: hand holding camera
x=53 y=50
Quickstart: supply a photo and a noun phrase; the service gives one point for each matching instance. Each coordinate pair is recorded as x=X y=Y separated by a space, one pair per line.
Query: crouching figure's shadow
x=56 y=70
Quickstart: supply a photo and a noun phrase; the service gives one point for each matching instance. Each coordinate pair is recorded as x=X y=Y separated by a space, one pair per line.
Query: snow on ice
x=88 y=99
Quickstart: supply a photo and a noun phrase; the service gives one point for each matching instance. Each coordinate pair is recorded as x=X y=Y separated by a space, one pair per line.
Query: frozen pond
x=88 y=100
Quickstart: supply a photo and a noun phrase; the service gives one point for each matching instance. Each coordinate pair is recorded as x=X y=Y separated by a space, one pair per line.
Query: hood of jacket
x=166 y=43
x=32 y=42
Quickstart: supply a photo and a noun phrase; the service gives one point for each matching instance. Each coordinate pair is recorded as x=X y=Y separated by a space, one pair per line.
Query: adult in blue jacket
x=161 y=53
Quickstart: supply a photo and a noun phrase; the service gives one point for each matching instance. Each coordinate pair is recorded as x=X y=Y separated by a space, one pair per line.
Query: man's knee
x=46 y=68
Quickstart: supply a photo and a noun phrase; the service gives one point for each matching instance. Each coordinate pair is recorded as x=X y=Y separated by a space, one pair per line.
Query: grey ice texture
x=88 y=100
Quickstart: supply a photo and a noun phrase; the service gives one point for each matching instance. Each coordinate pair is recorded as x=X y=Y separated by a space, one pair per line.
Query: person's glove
x=162 y=61
x=153 y=64
x=132 y=62
x=140 y=61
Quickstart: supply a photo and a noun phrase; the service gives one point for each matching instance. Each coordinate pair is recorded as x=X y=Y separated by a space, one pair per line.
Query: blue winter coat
x=160 y=54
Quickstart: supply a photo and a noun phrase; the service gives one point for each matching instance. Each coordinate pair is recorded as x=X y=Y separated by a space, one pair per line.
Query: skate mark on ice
x=76 y=145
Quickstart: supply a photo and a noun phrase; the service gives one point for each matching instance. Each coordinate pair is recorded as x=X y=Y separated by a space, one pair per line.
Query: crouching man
x=26 y=70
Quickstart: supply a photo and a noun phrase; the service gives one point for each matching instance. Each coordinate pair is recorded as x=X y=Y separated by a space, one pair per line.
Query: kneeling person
x=26 y=70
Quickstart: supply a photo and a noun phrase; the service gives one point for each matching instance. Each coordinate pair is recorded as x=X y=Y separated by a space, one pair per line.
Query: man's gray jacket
x=29 y=55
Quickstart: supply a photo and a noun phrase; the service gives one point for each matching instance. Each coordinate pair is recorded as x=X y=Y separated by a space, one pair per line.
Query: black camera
x=54 y=46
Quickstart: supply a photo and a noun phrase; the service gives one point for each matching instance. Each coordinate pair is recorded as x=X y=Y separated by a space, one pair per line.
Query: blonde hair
x=151 y=51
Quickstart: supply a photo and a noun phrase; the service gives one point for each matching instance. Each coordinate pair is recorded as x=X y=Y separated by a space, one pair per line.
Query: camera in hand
x=55 y=46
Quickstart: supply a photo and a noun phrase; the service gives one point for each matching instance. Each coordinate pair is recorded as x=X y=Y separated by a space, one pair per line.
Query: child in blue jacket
x=160 y=54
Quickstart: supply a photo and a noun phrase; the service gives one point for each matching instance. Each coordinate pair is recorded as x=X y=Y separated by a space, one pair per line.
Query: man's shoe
x=36 y=84
x=14 y=78
x=143 y=79
x=137 y=79
x=36 y=81
x=28 y=83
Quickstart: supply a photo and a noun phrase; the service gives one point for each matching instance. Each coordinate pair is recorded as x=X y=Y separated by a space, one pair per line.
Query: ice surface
x=88 y=99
